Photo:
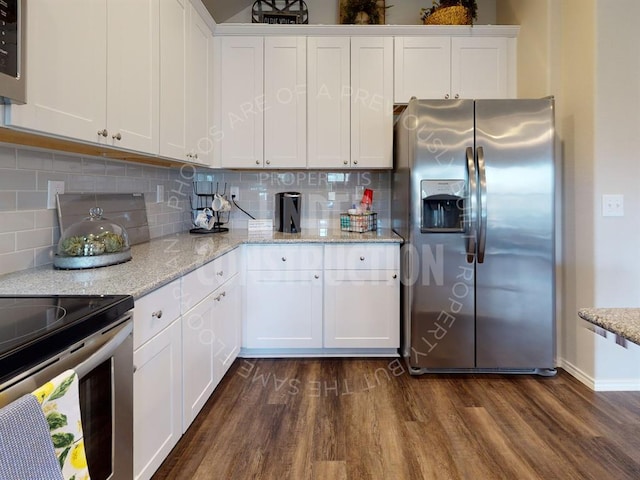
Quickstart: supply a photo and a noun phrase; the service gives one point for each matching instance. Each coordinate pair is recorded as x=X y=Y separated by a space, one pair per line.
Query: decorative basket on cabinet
x=360 y=223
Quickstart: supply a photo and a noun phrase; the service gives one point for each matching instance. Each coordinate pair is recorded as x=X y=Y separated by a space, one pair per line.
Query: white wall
x=403 y=12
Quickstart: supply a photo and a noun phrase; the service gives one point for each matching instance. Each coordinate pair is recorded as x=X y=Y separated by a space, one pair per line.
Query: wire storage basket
x=456 y=15
x=360 y=223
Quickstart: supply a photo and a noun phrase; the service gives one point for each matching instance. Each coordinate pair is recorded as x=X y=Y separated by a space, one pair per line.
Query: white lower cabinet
x=211 y=339
x=157 y=400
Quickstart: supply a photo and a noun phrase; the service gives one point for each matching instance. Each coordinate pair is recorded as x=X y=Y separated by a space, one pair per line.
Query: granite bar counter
x=159 y=261
x=621 y=321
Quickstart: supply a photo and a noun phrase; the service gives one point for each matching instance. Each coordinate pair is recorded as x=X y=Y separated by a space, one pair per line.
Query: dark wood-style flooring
x=368 y=419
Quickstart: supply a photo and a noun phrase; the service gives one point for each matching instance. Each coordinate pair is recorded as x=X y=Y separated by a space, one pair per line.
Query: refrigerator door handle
x=482 y=204
x=472 y=207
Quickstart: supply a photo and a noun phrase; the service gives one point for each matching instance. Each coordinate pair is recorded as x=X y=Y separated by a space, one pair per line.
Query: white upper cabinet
x=454 y=67
x=199 y=90
x=329 y=105
x=285 y=113
x=372 y=102
x=350 y=102
x=239 y=83
x=174 y=16
x=479 y=67
x=72 y=93
x=66 y=90
x=133 y=75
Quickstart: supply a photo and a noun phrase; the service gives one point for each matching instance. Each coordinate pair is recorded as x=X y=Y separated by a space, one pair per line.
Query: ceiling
x=223 y=10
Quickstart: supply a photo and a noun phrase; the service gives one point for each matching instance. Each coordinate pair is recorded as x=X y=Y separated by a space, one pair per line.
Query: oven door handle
x=105 y=352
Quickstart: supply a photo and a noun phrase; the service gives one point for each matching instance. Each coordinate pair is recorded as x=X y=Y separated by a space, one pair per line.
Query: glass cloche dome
x=92 y=242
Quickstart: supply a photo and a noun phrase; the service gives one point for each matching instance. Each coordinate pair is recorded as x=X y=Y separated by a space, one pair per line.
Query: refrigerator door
x=515 y=267
x=438 y=270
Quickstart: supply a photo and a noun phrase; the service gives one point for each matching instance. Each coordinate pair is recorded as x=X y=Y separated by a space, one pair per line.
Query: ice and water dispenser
x=442 y=205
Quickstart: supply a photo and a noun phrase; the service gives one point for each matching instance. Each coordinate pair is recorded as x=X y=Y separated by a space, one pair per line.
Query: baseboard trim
x=610 y=385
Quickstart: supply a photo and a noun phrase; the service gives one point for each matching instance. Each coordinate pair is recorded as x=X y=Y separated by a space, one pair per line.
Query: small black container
x=288 y=208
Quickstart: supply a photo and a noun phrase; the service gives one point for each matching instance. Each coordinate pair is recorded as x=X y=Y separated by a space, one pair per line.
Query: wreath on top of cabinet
x=279 y=12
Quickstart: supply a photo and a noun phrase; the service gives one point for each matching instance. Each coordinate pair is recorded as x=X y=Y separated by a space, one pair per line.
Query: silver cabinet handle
x=220 y=273
x=257 y=162
x=268 y=162
x=355 y=162
x=189 y=155
x=104 y=132
x=395 y=276
x=195 y=155
x=157 y=314
x=482 y=205
x=345 y=162
x=117 y=136
x=219 y=297
x=471 y=219
x=446 y=96
x=362 y=259
x=316 y=276
x=284 y=259
x=457 y=96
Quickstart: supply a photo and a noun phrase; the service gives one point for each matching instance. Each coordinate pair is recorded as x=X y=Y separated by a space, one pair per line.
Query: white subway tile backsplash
x=31 y=200
x=8 y=201
x=7 y=242
x=93 y=166
x=134 y=170
x=11 y=262
x=44 y=255
x=42 y=182
x=33 y=238
x=16 y=221
x=8 y=157
x=80 y=183
x=115 y=169
x=35 y=160
x=17 y=179
x=46 y=218
x=67 y=163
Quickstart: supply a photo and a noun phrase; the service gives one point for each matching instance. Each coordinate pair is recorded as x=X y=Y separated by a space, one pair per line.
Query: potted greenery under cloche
x=450 y=12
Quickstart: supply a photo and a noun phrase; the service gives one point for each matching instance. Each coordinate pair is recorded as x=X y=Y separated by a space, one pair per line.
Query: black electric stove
x=35 y=328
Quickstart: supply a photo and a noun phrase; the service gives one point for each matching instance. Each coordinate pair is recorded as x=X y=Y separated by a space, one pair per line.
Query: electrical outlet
x=331 y=196
x=235 y=193
x=613 y=205
x=53 y=188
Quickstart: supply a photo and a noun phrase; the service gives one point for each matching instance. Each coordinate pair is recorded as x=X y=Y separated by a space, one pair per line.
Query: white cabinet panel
x=361 y=309
x=227 y=326
x=157 y=400
x=155 y=311
x=329 y=107
x=241 y=82
x=361 y=256
x=372 y=102
x=283 y=309
x=285 y=115
x=173 y=68
x=422 y=67
x=284 y=257
x=479 y=67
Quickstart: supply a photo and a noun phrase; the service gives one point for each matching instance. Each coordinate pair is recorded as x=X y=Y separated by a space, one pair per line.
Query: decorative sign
x=280 y=12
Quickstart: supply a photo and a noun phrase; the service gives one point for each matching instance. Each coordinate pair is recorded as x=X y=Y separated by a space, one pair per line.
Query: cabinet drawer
x=361 y=256
x=155 y=311
x=284 y=257
x=201 y=282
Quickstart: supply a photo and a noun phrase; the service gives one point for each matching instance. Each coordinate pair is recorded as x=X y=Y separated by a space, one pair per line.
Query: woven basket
x=457 y=15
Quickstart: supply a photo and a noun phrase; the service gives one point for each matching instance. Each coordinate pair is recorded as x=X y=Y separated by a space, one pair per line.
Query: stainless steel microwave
x=12 y=51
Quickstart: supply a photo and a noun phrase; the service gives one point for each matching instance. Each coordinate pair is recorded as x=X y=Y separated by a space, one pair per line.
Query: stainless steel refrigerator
x=473 y=197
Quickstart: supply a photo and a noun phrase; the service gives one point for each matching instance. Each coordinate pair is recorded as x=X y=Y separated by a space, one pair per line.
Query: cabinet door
x=199 y=379
x=199 y=90
x=479 y=67
x=372 y=102
x=173 y=66
x=157 y=400
x=240 y=84
x=285 y=115
x=133 y=74
x=422 y=68
x=361 y=309
x=284 y=309
x=329 y=108
x=227 y=326
x=67 y=69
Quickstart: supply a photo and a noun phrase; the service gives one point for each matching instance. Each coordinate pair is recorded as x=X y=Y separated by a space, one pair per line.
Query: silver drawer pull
x=219 y=297
x=220 y=273
x=362 y=259
x=395 y=276
x=284 y=259
x=157 y=314
x=316 y=276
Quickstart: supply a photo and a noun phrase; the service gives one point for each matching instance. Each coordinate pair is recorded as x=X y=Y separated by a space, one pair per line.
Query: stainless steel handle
x=257 y=162
x=355 y=162
x=457 y=96
x=117 y=136
x=157 y=314
x=395 y=276
x=362 y=259
x=220 y=273
x=105 y=352
x=104 y=132
x=195 y=155
x=284 y=259
x=316 y=276
x=345 y=162
x=268 y=162
x=471 y=210
x=446 y=97
x=482 y=205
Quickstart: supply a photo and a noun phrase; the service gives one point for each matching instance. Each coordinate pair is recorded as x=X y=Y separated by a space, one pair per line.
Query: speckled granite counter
x=161 y=260
x=622 y=321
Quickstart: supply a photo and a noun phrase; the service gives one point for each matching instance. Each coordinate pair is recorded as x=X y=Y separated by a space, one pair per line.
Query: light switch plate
x=613 y=205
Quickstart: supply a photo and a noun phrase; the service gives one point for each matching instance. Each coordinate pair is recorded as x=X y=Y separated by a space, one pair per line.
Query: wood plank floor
x=368 y=419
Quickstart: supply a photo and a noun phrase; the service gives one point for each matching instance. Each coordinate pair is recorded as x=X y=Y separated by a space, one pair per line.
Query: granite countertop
x=621 y=321
x=159 y=261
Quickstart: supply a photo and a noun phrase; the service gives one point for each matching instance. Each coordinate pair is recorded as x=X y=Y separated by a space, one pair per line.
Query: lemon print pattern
x=60 y=402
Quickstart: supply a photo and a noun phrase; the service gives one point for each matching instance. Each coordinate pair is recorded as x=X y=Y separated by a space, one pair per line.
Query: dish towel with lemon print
x=60 y=402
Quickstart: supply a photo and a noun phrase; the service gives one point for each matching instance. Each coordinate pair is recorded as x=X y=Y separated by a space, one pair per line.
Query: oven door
x=104 y=364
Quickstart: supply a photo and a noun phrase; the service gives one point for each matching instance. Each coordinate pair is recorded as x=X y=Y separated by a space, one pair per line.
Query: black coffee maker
x=288 y=208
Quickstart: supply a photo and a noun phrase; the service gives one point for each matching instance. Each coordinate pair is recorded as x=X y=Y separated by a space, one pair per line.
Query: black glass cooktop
x=35 y=328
